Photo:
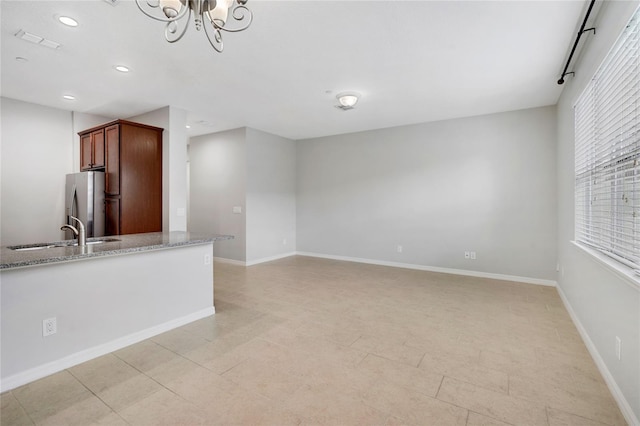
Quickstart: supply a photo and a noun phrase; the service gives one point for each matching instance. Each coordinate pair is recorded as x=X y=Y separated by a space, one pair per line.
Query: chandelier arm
x=239 y=13
x=216 y=43
x=186 y=9
x=168 y=31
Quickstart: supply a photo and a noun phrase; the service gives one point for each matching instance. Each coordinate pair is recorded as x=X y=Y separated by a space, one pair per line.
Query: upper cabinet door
x=98 y=148
x=112 y=169
x=92 y=150
x=86 y=151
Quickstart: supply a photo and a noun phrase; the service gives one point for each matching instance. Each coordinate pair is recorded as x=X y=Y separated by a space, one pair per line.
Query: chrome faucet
x=79 y=232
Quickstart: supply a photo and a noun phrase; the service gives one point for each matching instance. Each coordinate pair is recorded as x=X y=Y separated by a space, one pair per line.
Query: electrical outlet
x=207 y=259
x=467 y=255
x=618 y=348
x=49 y=327
x=473 y=255
x=399 y=248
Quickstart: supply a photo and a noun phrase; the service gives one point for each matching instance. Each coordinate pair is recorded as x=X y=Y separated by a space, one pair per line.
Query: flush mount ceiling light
x=70 y=22
x=213 y=12
x=347 y=100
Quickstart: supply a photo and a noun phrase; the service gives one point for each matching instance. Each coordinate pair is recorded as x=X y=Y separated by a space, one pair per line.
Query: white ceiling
x=412 y=61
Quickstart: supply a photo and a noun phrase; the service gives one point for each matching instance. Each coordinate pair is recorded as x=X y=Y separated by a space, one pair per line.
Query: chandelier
x=212 y=15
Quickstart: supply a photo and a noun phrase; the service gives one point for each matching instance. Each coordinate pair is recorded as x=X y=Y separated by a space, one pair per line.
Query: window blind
x=607 y=153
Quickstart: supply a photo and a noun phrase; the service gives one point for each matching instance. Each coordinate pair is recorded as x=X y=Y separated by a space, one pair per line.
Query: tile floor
x=304 y=341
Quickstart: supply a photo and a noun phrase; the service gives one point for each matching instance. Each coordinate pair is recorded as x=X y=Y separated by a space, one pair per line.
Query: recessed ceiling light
x=69 y=22
x=69 y=97
x=187 y=126
x=121 y=68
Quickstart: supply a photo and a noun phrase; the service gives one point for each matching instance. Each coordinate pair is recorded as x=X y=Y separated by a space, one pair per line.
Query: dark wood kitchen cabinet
x=133 y=177
x=92 y=150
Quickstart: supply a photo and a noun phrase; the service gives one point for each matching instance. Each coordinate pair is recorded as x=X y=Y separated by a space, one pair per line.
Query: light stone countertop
x=124 y=244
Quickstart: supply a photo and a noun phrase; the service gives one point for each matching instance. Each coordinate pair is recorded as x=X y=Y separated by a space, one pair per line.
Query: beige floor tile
x=476 y=419
x=385 y=370
x=561 y=418
x=317 y=347
x=179 y=340
x=569 y=398
x=393 y=349
x=11 y=412
x=394 y=421
x=413 y=407
x=508 y=362
x=207 y=390
x=84 y=412
x=114 y=381
x=331 y=403
x=342 y=334
x=496 y=405
x=264 y=378
x=146 y=355
x=467 y=370
x=227 y=352
x=163 y=408
x=248 y=408
x=51 y=395
x=111 y=419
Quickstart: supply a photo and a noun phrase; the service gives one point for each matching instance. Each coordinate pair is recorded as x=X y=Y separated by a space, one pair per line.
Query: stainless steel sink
x=32 y=247
x=92 y=242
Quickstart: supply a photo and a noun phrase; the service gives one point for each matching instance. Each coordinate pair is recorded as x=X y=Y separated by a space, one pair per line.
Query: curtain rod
x=575 y=45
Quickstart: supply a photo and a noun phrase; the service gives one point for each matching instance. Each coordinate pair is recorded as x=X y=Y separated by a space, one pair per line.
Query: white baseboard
x=254 y=262
x=230 y=261
x=270 y=258
x=527 y=280
x=623 y=404
x=49 y=368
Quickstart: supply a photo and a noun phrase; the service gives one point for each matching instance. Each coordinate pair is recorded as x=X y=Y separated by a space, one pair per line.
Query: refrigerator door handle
x=73 y=204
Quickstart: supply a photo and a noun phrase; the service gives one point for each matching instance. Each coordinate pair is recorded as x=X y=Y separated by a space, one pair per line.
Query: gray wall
x=271 y=196
x=37 y=152
x=253 y=170
x=604 y=304
x=483 y=184
x=218 y=170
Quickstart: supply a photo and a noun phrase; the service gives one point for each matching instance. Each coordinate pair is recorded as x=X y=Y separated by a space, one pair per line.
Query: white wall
x=37 y=153
x=605 y=305
x=483 y=184
x=174 y=164
x=100 y=304
x=271 y=196
x=218 y=170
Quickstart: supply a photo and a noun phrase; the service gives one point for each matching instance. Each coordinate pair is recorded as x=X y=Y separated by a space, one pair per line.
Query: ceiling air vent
x=36 y=39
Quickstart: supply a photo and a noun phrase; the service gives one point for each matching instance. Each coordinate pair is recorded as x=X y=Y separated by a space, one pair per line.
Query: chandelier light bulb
x=171 y=8
x=220 y=12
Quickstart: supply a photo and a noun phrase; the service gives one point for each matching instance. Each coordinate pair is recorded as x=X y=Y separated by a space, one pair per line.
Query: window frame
x=607 y=160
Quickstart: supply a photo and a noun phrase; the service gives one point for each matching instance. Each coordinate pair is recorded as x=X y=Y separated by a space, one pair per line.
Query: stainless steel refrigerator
x=85 y=200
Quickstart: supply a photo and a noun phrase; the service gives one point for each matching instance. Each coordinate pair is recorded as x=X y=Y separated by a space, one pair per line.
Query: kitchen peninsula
x=103 y=297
